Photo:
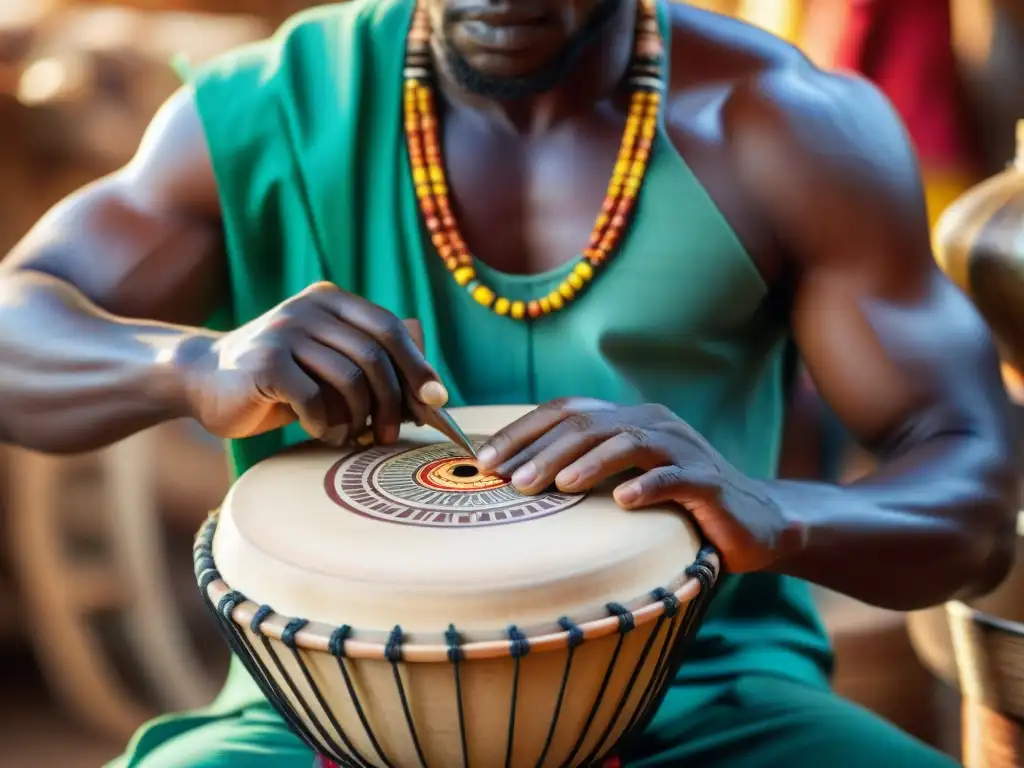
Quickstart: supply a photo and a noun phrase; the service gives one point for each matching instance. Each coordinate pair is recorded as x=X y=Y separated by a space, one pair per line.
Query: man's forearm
x=934 y=524
x=73 y=378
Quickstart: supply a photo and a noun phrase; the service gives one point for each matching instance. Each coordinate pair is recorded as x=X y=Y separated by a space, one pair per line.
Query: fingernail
x=566 y=478
x=525 y=475
x=433 y=393
x=627 y=494
x=486 y=457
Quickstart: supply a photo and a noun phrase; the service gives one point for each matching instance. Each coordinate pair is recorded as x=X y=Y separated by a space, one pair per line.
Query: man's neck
x=596 y=76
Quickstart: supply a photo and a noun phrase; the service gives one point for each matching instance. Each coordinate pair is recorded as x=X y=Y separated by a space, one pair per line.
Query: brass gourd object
x=979 y=242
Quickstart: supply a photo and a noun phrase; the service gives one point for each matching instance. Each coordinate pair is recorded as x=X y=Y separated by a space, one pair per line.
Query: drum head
x=414 y=535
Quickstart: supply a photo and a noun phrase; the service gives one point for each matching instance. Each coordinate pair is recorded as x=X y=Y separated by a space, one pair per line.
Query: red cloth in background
x=905 y=48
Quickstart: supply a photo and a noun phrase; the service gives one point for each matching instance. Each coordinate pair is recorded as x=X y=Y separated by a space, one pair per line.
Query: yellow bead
x=556 y=301
x=419 y=176
x=575 y=281
x=436 y=175
x=566 y=289
x=620 y=168
x=518 y=310
x=602 y=221
x=422 y=190
x=545 y=305
x=441 y=190
x=463 y=275
x=483 y=295
x=584 y=270
x=501 y=306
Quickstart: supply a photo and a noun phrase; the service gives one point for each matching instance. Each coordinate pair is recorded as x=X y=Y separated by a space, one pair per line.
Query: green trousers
x=748 y=722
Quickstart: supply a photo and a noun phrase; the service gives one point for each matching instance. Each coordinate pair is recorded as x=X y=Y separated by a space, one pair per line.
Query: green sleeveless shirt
x=305 y=132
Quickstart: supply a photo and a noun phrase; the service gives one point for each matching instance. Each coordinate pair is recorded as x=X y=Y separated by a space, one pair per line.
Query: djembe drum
x=400 y=608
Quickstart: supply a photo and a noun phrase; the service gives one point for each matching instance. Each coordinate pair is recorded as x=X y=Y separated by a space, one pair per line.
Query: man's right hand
x=328 y=358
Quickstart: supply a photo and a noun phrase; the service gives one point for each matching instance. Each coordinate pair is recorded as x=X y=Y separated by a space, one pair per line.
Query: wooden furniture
x=87 y=541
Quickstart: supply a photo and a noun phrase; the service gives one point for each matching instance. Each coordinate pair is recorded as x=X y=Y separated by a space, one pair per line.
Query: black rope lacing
x=672 y=627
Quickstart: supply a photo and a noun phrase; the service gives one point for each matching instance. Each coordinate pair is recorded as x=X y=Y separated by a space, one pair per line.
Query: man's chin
x=500 y=78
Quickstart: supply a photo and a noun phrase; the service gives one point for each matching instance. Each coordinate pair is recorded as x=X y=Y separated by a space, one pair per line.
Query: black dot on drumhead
x=464 y=470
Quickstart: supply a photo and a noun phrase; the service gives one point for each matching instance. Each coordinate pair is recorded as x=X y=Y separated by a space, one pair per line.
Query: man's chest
x=529 y=204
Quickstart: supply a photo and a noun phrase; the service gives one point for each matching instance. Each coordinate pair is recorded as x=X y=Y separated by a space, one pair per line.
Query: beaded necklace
x=421 y=131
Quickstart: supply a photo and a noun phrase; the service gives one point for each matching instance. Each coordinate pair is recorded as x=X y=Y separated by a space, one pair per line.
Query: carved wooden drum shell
x=400 y=608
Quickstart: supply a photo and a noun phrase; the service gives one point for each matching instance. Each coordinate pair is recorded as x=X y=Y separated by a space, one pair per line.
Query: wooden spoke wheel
x=107 y=617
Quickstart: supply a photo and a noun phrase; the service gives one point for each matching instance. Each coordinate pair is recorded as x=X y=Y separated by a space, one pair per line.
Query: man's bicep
x=891 y=367
x=891 y=344
x=144 y=241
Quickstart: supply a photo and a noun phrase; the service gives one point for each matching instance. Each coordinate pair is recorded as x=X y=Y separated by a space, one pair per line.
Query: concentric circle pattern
x=433 y=485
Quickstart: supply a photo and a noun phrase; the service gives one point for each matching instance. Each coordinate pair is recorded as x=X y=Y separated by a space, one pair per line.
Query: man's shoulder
x=757 y=69
x=709 y=47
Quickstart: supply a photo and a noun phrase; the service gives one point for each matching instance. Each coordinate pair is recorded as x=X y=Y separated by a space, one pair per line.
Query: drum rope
x=336 y=647
x=669 y=615
x=671 y=625
x=626 y=625
x=455 y=656
x=393 y=653
x=575 y=634
x=708 y=576
x=518 y=646
x=288 y=640
x=207 y=573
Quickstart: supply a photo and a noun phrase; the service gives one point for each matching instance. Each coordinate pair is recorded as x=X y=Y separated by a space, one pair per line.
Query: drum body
x=400 y=608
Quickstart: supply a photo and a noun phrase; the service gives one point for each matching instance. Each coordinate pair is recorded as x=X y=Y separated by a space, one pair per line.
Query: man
x=285 y=200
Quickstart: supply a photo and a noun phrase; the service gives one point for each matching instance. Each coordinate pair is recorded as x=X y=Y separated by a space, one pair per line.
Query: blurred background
x=100 y=623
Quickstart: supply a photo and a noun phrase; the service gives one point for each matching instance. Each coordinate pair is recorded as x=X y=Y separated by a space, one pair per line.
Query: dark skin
x=812 y=170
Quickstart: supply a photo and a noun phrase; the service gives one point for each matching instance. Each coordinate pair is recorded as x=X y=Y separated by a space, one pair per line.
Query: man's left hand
x=578 y=443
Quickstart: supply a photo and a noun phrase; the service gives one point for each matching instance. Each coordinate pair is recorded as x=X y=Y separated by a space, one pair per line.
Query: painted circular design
x=433 y=485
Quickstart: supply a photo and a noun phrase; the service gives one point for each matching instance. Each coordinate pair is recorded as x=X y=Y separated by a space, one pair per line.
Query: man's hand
x=325 y=357
x=577 y=444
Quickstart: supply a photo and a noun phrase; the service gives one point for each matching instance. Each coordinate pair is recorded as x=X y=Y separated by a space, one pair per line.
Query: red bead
x=618 y=221
x=608 y=205
x=533 y=309
x=433 y=223
x=449 y=221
